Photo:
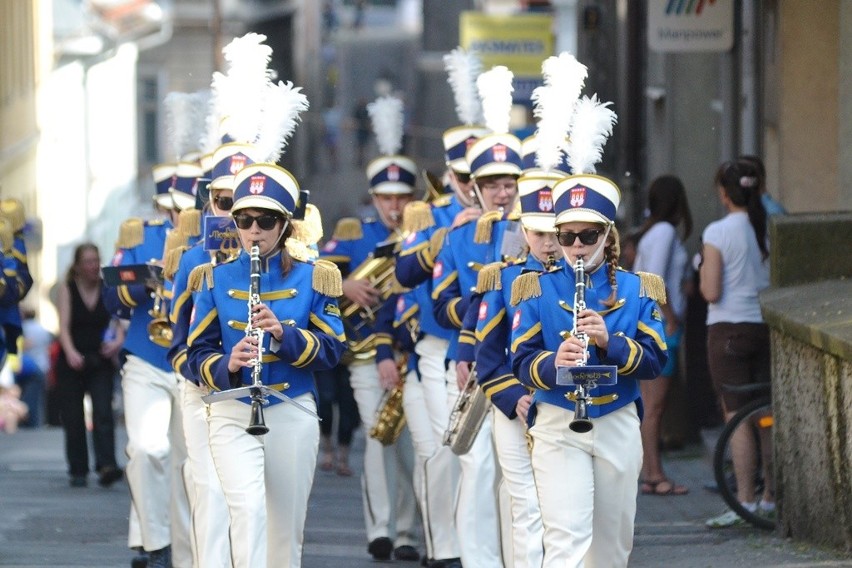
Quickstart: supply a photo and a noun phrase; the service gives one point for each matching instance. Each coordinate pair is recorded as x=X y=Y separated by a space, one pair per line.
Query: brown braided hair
x=612 y=251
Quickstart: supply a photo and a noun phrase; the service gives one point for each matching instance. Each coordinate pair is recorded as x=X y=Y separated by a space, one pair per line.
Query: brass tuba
x=390 y=417
x=468 y=414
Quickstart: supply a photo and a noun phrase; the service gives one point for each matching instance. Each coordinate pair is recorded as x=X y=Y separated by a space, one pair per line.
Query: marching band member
x=495 y=164
x=266 y=479
x=587 y=482
x=392 y=179
x=155 y=446
x=425 y=395
x=16 y=281
x=494 y=373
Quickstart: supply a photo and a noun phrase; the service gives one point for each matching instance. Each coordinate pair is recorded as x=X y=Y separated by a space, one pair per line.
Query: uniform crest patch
x=516 y=320
x=393 y=172
x=410 y=238
x=238 y=162
x=483 y=311
x=257 y=184
x=545 y=201
x=578 y=196
x=499 y=151
x=116 y=259
x=438 y=270
x=330 y=246
x=656 y=315
x=332 y=309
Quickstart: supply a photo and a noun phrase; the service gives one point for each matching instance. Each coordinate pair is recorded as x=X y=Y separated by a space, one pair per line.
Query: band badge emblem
x=516 y=320
x=545 y=201
x=483 y=311
x=438 y=270
x=257 y=184
x=499 y=151
x=393 y=172
x=578 y=196
x=238 y=162
x=400 y=305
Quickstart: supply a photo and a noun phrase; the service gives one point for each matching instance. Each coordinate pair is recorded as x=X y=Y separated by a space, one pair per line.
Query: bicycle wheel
x=757 y=420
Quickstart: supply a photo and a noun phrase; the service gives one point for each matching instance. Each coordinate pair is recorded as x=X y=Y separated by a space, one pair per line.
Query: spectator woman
x=661 y=251
x=734 y=269
x=85 y=365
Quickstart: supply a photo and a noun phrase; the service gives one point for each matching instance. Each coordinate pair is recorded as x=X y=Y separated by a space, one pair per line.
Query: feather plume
x=495 y=88
x=387 y=116
x=185 y=120
x=462 y=70
x=591 y=126
x=241 y=90
x=564 y=78
x=281 y=110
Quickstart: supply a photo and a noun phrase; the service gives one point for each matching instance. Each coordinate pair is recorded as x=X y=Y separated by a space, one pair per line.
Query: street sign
x=678 y=26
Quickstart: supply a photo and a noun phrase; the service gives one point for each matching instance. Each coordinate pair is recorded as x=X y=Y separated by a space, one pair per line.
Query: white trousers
x=587 y=485
x=385 y=467
x=477 y=518
x=266 y=479
x=209 y=522
x=513 y=455
x=431 y=487
x=156 y=453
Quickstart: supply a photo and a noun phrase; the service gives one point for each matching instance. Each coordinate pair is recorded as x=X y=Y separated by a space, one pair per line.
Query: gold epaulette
x=442 y=201
x=298 y=249
x=515 y=214
x=652 y=286
x=13 y=210
x=436 y=243
x=198 y=276
x=171 y=262
x=327 y=279
x=189 y=222
x=7 y=235
x=482 y=235
x=309 y=229
x=131 y=233
x=417 y=216
x=489 y=278
x=348 y=229
x=524 y=287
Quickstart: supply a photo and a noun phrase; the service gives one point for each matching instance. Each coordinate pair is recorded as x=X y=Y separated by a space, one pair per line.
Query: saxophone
x=467 y=416
x=390 y=417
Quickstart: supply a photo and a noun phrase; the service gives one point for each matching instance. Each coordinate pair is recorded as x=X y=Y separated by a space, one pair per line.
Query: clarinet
x=581 y=422
x=257 y=425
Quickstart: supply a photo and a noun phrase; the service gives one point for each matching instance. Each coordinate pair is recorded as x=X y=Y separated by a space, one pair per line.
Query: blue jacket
x=313 y=343
x=637 y=344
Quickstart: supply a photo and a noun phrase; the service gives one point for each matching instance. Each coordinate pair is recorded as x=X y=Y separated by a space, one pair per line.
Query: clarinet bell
x=257 y=425
x=581 y=423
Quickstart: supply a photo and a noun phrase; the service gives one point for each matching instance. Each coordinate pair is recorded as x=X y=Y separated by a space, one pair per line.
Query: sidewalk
x=44 y=522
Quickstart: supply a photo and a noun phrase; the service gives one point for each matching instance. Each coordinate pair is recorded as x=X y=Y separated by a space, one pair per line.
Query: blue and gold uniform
x=590 y=518
x=16 y=280
x=314 y=341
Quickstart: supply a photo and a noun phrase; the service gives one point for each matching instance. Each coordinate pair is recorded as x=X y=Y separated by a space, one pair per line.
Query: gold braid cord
x=482 y=235
x=7 y=235
x=436 y=243
x=131 y=233
x=348 y=229
x=13 y=210
x=417 y=216
x=189 y=222
x=488 y=278
x=327 y=279
x=652 y=286
x=524 y=287
x=198 y=276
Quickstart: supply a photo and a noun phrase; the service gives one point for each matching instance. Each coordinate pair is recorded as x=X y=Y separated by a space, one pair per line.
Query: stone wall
x=812 y=401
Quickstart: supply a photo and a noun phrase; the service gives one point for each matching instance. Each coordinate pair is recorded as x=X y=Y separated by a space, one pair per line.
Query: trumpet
x=159 y=329
x=585 y=377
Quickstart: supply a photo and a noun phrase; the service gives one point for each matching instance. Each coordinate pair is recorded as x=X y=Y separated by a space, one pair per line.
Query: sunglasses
x=463 y=178
x=224 y=203
x=266 y=221
x=587 y=237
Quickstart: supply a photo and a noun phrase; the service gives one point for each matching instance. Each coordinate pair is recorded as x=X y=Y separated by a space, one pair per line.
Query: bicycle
x=757 y=418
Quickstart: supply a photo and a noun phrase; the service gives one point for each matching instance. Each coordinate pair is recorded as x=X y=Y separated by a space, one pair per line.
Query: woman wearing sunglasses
x=587 y=481
x=266 y=478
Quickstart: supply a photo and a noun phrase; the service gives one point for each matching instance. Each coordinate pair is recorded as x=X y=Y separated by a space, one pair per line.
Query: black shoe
x=78 y=481
x=140 y=560
x=160 y=558
x=446 y=563
x=406 y=552
x=109 y=475
x=381 y=548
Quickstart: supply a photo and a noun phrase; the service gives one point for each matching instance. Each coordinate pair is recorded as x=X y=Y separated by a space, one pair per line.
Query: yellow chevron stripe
x=202 y=325
x=492 y=323
x=530 y=333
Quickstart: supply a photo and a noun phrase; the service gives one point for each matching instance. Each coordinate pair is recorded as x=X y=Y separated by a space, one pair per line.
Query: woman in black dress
x=89 y=343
